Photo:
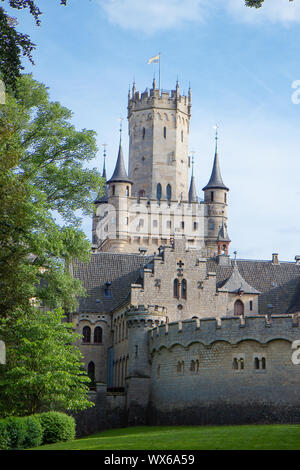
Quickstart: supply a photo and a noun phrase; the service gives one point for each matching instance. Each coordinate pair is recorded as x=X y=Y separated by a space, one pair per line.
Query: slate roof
x=216 y=178
x=120 y=174
x=236 y=283
x=192 y=190
x=279 y=284
x=121 y=270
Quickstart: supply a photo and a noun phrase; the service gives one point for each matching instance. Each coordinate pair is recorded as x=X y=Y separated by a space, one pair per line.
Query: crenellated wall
x=229 y=370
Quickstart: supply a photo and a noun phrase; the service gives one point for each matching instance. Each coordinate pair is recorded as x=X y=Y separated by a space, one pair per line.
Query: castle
x=173 y=330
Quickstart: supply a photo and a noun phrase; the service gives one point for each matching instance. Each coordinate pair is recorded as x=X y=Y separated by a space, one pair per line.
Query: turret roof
x=120 y=174
x=216 y=181
x=236 y=283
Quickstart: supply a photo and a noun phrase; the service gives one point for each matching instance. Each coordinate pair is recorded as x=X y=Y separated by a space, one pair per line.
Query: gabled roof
x=236 y=283
x=120 y=174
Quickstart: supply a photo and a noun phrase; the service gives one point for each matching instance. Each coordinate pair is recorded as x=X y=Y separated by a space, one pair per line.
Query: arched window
x=165 y=132
x=176 y=289
x=127 y=190
x=91 y=374
x=98 y=335
x=211 y=196
x=144 y=132
x=158 y=191
x=169 y=192
x=113 y=190
x=256 y=363
x=235 y=364
x=183 y=289
x=86 y=334
x=238 y=307
x=263 y=363
x=193 y=366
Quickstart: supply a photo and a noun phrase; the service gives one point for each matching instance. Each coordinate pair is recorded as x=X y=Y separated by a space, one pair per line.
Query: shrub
x=34 y=432
x=56 y=427
x=4 y=435
x=16 y=428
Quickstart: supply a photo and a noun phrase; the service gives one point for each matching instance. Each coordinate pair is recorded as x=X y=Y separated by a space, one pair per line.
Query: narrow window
x=98 y=335
x=211 y=196
x=242 y=363
x=158 y=191
x=235 y=364
x=86 y=334
x=176 y=289
x=181 y=136
x=182 y=225
x=154 y=223
x=225 y=197
x=193 y=366
x=195 y=225
x=91 y=374
x=141 y=222
x=256 y=363
x=183 y=289
x=251 y=305
x=144 y=132
x=211 y=225
x=127 y=190
x=263 y=363
x=158 y=371
x=169 y=224
x=169 y=192
x=113 y=190
x=165 y=132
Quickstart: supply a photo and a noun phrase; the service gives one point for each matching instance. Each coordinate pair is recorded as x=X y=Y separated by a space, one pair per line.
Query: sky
x=243 y=66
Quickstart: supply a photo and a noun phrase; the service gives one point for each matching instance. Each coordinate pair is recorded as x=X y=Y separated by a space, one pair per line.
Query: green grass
x=247 y=437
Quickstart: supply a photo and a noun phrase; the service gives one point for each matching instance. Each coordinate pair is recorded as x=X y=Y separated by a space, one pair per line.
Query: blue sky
x=241 y=64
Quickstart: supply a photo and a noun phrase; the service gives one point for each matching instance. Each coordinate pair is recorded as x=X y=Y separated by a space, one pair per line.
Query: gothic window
x=193 y=366
x=176 y=289
x=183 y=289
x=256 y=363
x=144 y=132
x=98 y=335
x=158 y=191
x=91 y=374
x=211 y=196
x=180 y=367
x=165 y=132
x=86 y=334
x=238 y=363
x=238 y=307
x=235 y=364
x=169 y=192
x=263 y=363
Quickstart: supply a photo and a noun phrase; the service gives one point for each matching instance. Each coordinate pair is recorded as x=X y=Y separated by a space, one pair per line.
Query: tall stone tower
x=159 y=125
x=216 y=202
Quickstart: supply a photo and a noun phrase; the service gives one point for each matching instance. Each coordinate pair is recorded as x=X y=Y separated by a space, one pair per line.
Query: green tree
x=13 y=44
x=42 y=163
x=256 y=3
x=43 y=370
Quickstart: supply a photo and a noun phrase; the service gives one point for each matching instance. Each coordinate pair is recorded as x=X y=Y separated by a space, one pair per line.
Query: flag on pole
x=154 y=60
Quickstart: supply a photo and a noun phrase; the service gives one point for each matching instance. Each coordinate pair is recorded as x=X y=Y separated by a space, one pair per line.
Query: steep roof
x=215 y=181
x=223 y=234
x=192 y=190
x=236 y=283
x=120 y=174
x=278 y=284
x=121 y=270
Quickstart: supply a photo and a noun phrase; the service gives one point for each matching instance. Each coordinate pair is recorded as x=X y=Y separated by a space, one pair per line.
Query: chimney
x=275 y=258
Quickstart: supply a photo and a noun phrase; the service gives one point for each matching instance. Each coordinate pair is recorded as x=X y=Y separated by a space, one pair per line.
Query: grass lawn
x=247 y=437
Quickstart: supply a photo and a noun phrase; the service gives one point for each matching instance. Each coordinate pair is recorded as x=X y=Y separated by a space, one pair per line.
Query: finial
x=133 y=88
x=216 y=127
x=104 y=159
x=121 y=125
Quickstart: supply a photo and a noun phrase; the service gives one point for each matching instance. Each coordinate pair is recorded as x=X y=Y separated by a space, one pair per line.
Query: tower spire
x=192 y=190
x=120 y=174
x=216 y=181
x=104 y=161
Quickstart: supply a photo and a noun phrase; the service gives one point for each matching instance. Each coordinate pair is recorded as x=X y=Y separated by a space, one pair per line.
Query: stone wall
x=204 y=372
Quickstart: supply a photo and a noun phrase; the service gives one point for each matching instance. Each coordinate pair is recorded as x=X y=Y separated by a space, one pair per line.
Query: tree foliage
x=256 y=3
x=13 y=44
x=43 y=370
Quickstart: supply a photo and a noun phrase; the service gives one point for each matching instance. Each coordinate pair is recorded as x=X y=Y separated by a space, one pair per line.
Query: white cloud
x=150 y=16
x=274 y=11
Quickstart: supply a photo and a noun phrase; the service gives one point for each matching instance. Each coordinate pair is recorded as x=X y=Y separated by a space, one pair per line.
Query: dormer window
x=107 y=290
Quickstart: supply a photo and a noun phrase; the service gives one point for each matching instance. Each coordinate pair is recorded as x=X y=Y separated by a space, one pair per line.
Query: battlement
x=155 y=98
x=149 y=315
x=233 y=330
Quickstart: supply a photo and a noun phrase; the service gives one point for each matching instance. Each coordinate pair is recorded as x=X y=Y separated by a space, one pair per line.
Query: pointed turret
x=237 y=284
x=216 y=181
x=192 y=190
x=120 y=174
x=223 y=235
x=104 y=197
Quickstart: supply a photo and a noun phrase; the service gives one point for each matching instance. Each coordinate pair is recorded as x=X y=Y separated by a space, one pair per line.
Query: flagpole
x=159 y=70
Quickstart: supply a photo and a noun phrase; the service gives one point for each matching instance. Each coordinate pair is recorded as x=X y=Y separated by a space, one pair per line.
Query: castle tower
x=159 y=123
x=216 y=203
